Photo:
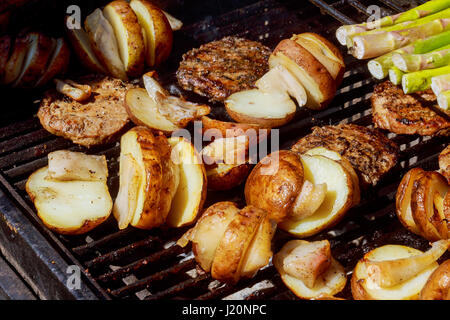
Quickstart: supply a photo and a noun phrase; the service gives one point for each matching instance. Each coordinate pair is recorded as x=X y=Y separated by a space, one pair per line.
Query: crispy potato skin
x=311 y=65
x=358 y=291
x=275 y=192
x=234 y=244
x=438 y=284
x=160 y=180
x=229 y=179
x=135 y=38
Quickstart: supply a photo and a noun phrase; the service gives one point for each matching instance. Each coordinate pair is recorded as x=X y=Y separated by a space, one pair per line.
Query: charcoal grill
x=137 y=264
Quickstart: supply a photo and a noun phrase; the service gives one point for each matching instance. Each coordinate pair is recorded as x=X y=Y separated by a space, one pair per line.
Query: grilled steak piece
x=368 y=150
x=92 y=122
x=220 y=68
x=408 y=113
x=444 y=162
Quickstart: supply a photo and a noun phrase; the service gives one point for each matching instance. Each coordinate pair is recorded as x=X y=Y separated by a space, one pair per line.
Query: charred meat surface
x=95 y=121
x=408 y=113
x=220 y=68
x=370 y=153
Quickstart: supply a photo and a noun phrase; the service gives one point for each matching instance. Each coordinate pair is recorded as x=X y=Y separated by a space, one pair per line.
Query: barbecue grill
x=138 y=264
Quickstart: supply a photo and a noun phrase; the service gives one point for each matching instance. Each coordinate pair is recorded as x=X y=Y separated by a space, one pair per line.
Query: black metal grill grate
x=136 y=264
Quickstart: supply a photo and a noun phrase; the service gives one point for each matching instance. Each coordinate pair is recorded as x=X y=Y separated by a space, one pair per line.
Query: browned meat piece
x=369 y=151
x=95 y=121
x=444 y=163
x=220 y=68
x=408 y=113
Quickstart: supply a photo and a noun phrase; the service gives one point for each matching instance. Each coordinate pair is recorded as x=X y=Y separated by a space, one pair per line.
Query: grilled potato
x=190 y=195
x=83 y=49
x=438 y=284
x=319 y=84
x=148 y=180
x=104 y=43
x=69 y=198
x=325 y=52
x=157 y=31
x=39 y=52
x=338 y=199
x=57 y=62
x=269 y=109
x=5 y=48
x=226 y=176
x=15 y=62
x=274 y=184
x=395 y=272
x=128 y=34
x=427 y=207
x=309 y=270
x=231 y=243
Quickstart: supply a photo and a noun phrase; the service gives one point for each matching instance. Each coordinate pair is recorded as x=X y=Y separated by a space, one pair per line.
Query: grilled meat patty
x=220 y=68
x=368 y=150
x=95 y=121
x=408 y=113
x=444 y=162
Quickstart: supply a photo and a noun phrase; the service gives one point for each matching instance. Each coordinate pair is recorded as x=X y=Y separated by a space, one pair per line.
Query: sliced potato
x=274 y=184
x=65 y=165
x=232 y=150
x=75 y=91
x=230 y=253
x=57 y=62
x=40 y=49
x=339 y=198
x=325 y=52
x=128 y=34
x=403 y=200
x=282 y=80
x=319 y=84
x=309 y=200
x=14 y=65
x=438 y=284
x=329 y=282
x=429 y=190
x=159 y=178
x=216 y=128
x=388 y=273
x=322 y=151
x=365 y=288
x=191 y=192
x=104 y=43
x=5 y=48
x=226 y=176
x=69 y=207
x=157 y=30
x=143 y=110
x=209 y=230
x=269 y=109
x=83 y=49
x=175 y=24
